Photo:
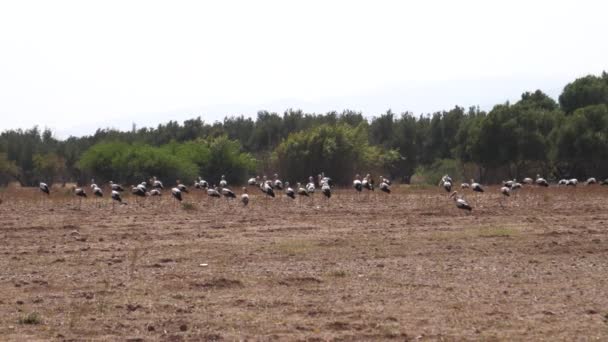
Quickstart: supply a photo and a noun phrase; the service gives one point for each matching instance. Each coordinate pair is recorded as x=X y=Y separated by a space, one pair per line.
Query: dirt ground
x=405 y=266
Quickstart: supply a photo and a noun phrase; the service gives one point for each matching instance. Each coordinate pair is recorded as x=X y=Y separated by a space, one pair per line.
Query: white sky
x=74 y=66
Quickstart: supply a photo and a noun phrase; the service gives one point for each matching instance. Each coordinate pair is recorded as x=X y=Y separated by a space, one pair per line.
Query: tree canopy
x=536 y=134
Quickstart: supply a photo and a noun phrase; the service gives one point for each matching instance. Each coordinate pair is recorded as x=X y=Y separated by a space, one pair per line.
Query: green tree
x=585 y=91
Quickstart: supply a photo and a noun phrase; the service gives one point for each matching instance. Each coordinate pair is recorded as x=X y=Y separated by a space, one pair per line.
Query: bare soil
x=404 y=266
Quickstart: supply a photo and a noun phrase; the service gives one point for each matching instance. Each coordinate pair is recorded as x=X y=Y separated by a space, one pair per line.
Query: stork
x=116 y=198
x=465 y=185
x=528 y=180
x=44 y=188
x=223 y=182
x=202 y=183
x=562 y=181
x=267 y=189
x=446 y=178
x=177 y=194
x=515 y=185
x=506 y=192
x=385 y=187
x=181 y=187
x=252 y=181
x=572 y=182
x=289 y=191
x=368 y=182
x=277 y=182
x=326 y=190
x=80 y=193
x=310 y=187
x=541 y=181
x=460 y=202
x=476 y=186
x=228 y=193
x=245 y=197
x=156 y=184
x=323 y=179
x=447 y=185
x=591 y=181
x=212 y=192
x=302 y=191
x=357 y=184
x=139 y=191
x=97 y=191
x=116 y=187
x=155 y=193
x=385 y=180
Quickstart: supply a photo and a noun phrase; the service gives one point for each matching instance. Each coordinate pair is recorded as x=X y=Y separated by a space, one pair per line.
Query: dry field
x=407 y=266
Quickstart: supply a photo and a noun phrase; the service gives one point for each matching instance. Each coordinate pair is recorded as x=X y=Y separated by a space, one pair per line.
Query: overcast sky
x=74 y=66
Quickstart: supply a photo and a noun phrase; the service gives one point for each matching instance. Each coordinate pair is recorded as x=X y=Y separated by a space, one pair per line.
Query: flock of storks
x=507 y=187
x=154 y=187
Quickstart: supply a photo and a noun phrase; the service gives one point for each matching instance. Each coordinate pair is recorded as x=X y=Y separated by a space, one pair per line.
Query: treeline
x=567 y=138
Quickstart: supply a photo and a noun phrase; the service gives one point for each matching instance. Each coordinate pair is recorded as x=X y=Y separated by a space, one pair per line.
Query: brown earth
x=405 y=266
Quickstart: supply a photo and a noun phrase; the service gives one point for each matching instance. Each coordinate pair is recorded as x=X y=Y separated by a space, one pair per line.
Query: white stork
x=562 y=181
x=385 y=180
x=138 y=191
x=156 y=184
x=155 y=193
x=528 y=180
x=252 y=181
x=515 y=185
x=302 y=191
x=116 y=198
x=460 y=202
x=572 y=182
x=245 y=197
x=506 y=192
x=289 y=191
x=116 y=187
x=476 y=186
x=465 y=185
x=326 y=190
x=202 y=183
x=323 y=179
x=277 y=182
x=44 y=188
x=368 y=182
x=228 y=193
x=446 y=178
x=447 y=185
x=223 y=182
x=181 y=187
x=591 y=181
x=80 y=193
x=357 y=184
x=541 y=181
x=385 y=187
x=97 y=191
x=212 y=192
x=310 y=187
x=177 y=194
x=267 y=189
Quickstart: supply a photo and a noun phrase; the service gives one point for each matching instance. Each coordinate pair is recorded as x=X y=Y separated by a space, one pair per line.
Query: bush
x=134 y=163
x=31 y=318
x=338 y=150
x=432 y=174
